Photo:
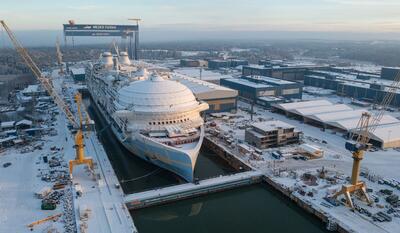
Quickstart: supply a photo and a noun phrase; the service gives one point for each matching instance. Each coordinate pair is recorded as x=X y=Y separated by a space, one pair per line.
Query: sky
x=372 y=17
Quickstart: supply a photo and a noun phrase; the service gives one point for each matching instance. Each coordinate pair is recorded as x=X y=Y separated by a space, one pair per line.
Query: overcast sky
x=356 y=16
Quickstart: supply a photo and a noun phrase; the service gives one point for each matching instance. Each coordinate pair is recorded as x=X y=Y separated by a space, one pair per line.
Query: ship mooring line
x=104 y=128
x=140 y=177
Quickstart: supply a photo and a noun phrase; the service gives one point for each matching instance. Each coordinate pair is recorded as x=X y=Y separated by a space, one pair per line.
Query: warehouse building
x=351 y=85
x=257 y=87
x=389 y=73
x=78 y=74
x=219 y=99
x=202 y=74
x=292 y=73
x=271 y=134
x=192 y=63
x=340 y=118
x=220 y=64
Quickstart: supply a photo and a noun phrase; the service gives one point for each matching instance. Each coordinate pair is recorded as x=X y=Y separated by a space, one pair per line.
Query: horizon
x=221 y=19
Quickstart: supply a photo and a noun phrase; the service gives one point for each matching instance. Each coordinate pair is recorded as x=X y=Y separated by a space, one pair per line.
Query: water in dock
x=254 y=209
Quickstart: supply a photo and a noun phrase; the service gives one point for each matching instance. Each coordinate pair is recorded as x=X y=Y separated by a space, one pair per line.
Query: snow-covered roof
x=8 y=139
x=339 y=115
x=303 y=104
x=271 y=125
x=205 y=74
x=387 y=133
x=247 y=83
x=24 y=122
x=321 y=109
x=32 y=89
x=77 y=71
x=7 y=124
x=204 y=90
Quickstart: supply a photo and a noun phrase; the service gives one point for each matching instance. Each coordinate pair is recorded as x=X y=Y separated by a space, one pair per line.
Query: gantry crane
x=366 y=125
x=59 y=56
x=79 y=141
x=47 y=84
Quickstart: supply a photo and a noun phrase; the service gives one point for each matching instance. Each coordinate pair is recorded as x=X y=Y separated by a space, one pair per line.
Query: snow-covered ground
x=18 y=183
x=101 y=206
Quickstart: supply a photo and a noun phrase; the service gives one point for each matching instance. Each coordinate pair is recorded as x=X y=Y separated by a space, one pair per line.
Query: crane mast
x=47 y=84
x=366 y=125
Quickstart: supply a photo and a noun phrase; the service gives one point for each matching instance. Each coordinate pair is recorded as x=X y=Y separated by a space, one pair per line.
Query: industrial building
x=252 y=87
x=367 y=88
x=202 y=74
x=293 y=73
x=192 y=63
x=389 y=73
x=219 y=64
x=219 y=99
x=78 y=74
x=340 y=118
x=271 y=134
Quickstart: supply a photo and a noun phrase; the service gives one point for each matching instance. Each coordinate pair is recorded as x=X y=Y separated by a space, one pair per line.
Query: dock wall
x=231 y=159
x=190 y=190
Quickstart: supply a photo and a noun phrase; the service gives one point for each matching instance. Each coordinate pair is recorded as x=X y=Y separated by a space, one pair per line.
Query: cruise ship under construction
x=155 y=118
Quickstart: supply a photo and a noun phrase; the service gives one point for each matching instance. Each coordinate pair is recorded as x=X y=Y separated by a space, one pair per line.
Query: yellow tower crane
x=47 y=84
x=366 y=126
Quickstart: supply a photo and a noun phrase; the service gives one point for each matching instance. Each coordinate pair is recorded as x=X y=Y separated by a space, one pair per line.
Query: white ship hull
x=177 y=160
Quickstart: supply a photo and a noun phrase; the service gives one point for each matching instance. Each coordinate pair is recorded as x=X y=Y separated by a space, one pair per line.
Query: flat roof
x=303 y=104
x=7 y=124
x=205 y=74
x=32 y=89
x=77 y=71
x=321 y=109
x=270 y=80
x=350 y=78
x=203 y=89
x=248 y=83
x=271 y=125
x=387 y=133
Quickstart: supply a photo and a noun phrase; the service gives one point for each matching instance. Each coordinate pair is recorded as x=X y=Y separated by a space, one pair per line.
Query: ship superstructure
x=155 y=118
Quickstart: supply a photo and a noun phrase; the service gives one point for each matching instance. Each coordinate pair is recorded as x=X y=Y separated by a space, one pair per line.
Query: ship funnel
x=106 y=59
x=124 y=58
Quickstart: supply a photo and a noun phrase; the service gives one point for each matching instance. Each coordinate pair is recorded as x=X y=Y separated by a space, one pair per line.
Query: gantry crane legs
x=47 y=84
x=358 y=147
x=366 y=125
x=79 y=141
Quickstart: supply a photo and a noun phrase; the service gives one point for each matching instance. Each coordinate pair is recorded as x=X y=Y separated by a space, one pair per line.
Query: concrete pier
x=190 y=190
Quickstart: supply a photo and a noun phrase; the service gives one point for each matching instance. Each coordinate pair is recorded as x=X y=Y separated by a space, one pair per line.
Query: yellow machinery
x=357 y=148
x=79 y=141
x=53 y=217
x=47 y=84
x=366 y=125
